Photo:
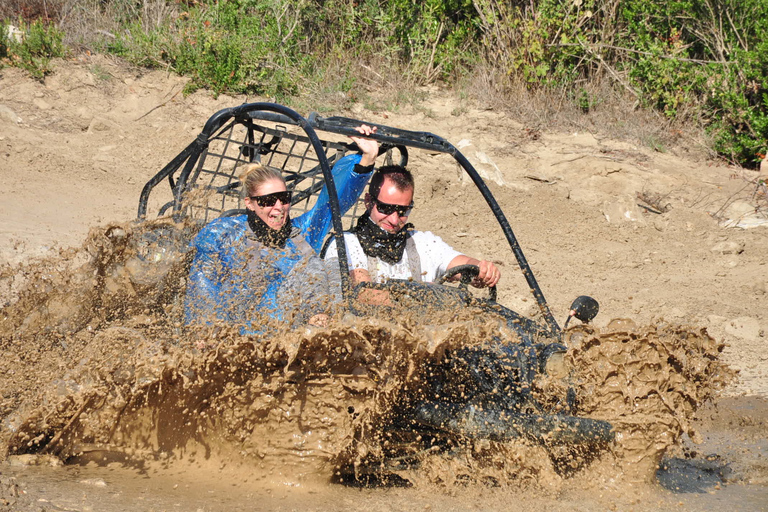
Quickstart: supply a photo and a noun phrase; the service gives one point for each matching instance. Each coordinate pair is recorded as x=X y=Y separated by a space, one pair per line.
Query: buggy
x=476 y=393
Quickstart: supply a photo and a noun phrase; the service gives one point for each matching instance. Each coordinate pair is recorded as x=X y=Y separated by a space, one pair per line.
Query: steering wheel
x=468 y=273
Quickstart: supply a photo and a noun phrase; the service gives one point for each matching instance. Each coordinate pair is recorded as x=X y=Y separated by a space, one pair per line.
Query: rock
x=96 y=482
x=482 y=163
x=623 y=210
x=715 y=324
x=744 y=327
x=716 y=319
x=738 y=208
x=728 y=247
x=99 y=124
x=41 y=104
x=660 y=223
x=14 y=34
x=675 y=313
x=9 y=115
x=743 y=214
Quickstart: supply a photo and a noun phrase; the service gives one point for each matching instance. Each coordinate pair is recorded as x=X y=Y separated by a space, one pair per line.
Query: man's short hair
x=400 y=176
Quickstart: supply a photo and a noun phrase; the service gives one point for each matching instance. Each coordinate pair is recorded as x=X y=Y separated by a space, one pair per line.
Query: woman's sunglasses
x=271 y=199
x=389 y=209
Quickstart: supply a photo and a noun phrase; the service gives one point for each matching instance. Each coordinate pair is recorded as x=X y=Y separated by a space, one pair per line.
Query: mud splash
x=648 y=382
x=98 y=368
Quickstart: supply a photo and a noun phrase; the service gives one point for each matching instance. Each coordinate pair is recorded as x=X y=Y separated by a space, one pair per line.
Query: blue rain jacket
x=234 y=279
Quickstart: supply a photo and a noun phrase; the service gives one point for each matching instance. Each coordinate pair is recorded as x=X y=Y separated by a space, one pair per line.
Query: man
x=383 y=246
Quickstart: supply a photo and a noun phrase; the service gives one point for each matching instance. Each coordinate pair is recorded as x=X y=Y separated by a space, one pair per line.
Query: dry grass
x=375 y=84
x=88 y=23
x=599 y=108
x=612 y=112
x=32 y=9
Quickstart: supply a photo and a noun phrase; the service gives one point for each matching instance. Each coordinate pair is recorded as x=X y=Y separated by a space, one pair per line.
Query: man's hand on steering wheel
x=468 y=273
x=488 y=276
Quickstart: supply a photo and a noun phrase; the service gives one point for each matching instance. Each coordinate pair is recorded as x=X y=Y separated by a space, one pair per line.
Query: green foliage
x=693 y=59
x=434 y=36
x=584 y=100
x=740 y=117
x=271 y=46
x=245 y=46
x=4 y=43
x=738 y=101
x=40 y=42
x=100 y=73
x=707 y=60
x=688 y=59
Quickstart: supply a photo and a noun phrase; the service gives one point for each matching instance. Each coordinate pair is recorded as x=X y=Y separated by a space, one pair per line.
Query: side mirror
x=584 y=308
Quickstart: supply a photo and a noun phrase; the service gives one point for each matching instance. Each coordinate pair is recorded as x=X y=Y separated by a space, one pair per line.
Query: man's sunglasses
x=389 y=209
x=271 y=199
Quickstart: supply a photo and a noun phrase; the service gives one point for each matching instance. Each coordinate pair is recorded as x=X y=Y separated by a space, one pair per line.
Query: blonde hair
x=254 y=175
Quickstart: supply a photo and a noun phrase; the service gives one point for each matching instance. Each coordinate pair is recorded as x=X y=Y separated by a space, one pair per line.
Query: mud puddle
x=732 y=430
x=172 y=486
x=733 y=451
x=99 y=374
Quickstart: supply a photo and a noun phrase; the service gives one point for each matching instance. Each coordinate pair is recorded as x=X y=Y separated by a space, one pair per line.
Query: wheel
x=468 y=273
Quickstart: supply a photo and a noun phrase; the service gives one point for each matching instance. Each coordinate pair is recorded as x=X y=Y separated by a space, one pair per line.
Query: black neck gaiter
x=265 y=234
x=379 y=243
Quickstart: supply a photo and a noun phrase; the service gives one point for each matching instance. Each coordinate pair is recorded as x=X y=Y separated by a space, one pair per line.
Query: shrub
x=687 y=59
x=709 y=59
x=236 y=46
x=40 y=42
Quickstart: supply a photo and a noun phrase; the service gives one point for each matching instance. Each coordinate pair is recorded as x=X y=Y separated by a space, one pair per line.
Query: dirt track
x=76 y=150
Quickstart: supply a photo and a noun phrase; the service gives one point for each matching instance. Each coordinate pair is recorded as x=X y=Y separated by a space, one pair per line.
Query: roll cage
x=204 y=183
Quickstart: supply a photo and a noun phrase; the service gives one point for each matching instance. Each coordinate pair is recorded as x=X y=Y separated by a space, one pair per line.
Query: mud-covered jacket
x=234 y=278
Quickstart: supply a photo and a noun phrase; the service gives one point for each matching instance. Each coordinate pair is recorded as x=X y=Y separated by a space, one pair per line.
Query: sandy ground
x=651 y=235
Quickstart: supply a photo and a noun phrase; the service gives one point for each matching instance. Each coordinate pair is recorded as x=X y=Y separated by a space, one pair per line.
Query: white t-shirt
x=434 y=257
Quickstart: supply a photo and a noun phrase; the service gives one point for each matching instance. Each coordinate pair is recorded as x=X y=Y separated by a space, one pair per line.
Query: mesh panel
x=214 y=189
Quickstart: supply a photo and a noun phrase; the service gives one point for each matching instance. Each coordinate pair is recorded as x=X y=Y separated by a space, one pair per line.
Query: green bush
x=40 y=43
x=4 y=53
x=680 y=57
x=272 y=46
x=235 y=46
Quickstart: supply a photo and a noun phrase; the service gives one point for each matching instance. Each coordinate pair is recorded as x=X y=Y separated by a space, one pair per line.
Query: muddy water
x=99 y=375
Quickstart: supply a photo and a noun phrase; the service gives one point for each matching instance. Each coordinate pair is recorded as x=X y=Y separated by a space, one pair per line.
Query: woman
x=264 y=262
